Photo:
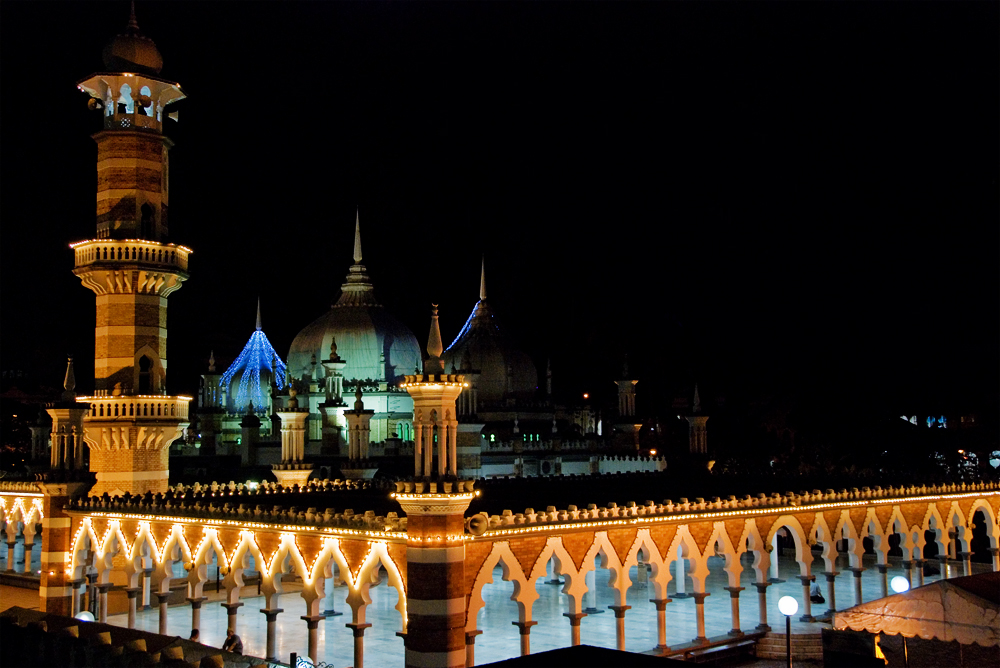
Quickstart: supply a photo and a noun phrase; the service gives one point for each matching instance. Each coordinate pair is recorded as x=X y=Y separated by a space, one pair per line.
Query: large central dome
x=374 y=344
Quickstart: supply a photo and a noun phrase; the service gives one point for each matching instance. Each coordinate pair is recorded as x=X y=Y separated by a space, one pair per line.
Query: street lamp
x=899 y=585
x=788 y=607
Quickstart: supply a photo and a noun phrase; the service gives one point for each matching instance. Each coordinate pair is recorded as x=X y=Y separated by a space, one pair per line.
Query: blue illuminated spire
x=257 y=354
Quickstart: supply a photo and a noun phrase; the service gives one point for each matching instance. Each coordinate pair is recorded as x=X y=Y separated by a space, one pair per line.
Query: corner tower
x=132 y=269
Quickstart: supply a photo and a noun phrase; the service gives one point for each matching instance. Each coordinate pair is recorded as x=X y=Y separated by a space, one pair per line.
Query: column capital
x=660 y=603
x=196 y=602
x=272 y=615
x=830 y=575
x=132 y=592
x=525 y=627
x=700 y=596
x=761 y=587
x=964 y=555
x=993 y=550
x=882 y=568
x=919 y=563
x=77 y=583
x=231 y=608
x=574 y=617
x=734 y=592
x=806 y=580
x=103 y=587
x=470 y=636
x=358 y=629
x=619 y=610
x=856 y=570
x=906 y=564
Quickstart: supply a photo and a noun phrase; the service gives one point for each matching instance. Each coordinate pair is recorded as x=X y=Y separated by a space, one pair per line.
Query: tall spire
x=482 y=281
x=697 y=400
x=357 y=237
x=258 y=314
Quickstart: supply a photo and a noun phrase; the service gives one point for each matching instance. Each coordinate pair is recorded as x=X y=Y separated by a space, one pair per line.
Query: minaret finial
x=482 y=281
x=697 y=400
x=357 y=237
x=211 y=361
x=258 y=314
x=132 y=23
x=434 y=345
x=69 y=383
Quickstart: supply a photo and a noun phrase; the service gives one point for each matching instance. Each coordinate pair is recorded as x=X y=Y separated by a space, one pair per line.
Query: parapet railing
x=131 y=251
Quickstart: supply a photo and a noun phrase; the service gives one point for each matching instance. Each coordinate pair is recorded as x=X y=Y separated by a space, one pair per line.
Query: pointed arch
x=799 y=537
x=501 y=554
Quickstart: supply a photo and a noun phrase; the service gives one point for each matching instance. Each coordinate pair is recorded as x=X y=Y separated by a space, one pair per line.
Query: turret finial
x=434 y=345
x=359 y=404
x=211 y=362
x=357 y=237
x=482 y=281
x=69 y=383
x=258 y=314
x=697 y=400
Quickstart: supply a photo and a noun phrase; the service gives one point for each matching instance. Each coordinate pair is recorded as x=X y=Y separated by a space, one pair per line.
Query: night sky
x=757 y=197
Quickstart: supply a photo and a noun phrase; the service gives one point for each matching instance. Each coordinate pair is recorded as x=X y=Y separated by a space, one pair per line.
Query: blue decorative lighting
x=257 y=354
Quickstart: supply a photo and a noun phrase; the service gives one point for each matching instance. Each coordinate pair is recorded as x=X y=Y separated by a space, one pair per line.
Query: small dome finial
x=482 y=281
x=434 y=345
x=211 y=361
x=258 y=314
x=359 y=404
x=357 y=236
x=132 y=23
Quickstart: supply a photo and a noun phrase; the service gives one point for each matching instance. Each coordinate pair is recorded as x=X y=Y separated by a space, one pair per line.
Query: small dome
x=132 y=51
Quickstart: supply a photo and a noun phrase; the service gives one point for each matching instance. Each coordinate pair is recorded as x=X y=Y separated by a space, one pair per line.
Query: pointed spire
x=697 y=400
x=69 y=382
x=211 y=362
x=482 y=281
x=434 y=345
x=132 y=23
x=258 y=314
x=357 y=237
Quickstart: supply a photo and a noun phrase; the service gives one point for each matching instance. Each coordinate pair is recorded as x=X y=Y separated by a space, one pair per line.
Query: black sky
x=799 y=194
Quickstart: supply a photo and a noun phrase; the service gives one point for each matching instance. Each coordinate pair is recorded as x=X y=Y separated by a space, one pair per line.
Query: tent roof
x=964 y=609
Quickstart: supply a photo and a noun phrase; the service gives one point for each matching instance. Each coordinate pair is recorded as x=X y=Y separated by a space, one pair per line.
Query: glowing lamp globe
x=84 y=616
x=788 y=605
x=899 y=584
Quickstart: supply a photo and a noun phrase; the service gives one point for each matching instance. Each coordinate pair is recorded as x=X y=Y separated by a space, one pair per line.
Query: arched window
x=116 y=410
x=102 y=410
x=131 y=410
x=125 y=103
x=145 y=373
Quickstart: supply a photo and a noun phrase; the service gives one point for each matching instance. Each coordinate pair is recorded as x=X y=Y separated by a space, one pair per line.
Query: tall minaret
x=132 y=269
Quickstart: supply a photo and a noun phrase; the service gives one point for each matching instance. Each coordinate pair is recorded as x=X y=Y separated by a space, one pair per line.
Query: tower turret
x=132 y=270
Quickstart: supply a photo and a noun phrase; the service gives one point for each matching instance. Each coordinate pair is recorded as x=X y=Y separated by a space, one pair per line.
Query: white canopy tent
x=965 y=609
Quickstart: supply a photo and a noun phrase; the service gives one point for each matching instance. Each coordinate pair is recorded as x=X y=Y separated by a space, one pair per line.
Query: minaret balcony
x=134 y=121
x=140 y=408
x=103 y=252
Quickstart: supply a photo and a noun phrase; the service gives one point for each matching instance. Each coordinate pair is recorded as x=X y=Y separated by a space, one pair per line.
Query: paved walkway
x=500 y=638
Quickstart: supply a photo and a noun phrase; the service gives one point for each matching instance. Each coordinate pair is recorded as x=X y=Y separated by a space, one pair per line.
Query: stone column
x=133 y=594
x=966 y=558
x=857 y=583
x=231 y=610
x=330 y=611
x=944 y=566
x=147 y=594
x=525 y=630
x=995 y=553
x=435 y=573
x=11 y=545
x=806 y=601
x=661 y=621
x=102 y=601
x=162 y=600
x=883 y=576
x=270 y=654
x=699 y=608
x=831 y=591
x=470 y=647
x=312 y=631
x=620 y=624
x=734 y=603
x=359 y=642
x=196 y=611
x=92 y=594
x=762 y=605
x=919 y=563
x=28 y=544
x=908 y=571
x=75 y=602
x=574 y=626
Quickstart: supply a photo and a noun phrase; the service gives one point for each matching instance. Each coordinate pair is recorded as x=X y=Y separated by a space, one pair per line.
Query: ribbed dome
x=504 y=371
x=132 y=51
x=362 y=333
x=363 y=330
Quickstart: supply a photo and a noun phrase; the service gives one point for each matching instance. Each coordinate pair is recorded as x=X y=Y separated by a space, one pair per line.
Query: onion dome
x=258 y=357
x=131 y=51
x=481 y=347
x=372 y=342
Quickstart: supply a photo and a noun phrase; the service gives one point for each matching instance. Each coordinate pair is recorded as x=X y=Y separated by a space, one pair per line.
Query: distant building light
x=586 y=396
